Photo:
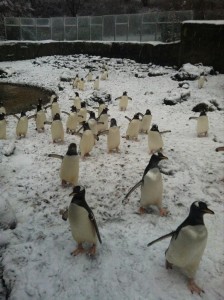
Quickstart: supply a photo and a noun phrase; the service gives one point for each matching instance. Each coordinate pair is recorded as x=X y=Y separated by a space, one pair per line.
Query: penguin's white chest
x=152 y=188
x=113 y=138
x=202 y=125
x=70 y=169
x=2 y=129
x=145 y=123
x=22 y=126
x=123 y=102
x=187 y=249
x=82 y=114
x=2 y=110
x=81 y=226
x=72 y=122
x=57 y=131
x=40 y=119
x=96 y=85
x=77 y=102
x=155 y=141
x=133 y=129
x=101 y=108
x=103 y=119
x=87 y=142
x=55 y=109
x=93 y=126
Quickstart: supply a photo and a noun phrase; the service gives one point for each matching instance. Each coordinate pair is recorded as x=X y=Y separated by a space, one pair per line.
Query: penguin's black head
x=100 y=101
x=83 y=104
x=202 y=73
x=78 y=194
x=82 y=79
x=105 y=110
x=148 y=112
x=55 y=99
x=199 y=208
x=77 y=75
x=113 y=122
x=156 y=158
x=39 y=107
x=2 y=116
x=86 y=126
x=136 y=116
x=72 y=149
x=76 y=94
x=125 y=93
x=92 y=115
x=203 y=113
x=97 y=77
x=73 y=108
x=154 y=127
x=40 y=101
x=23 y=114
x=57 y=117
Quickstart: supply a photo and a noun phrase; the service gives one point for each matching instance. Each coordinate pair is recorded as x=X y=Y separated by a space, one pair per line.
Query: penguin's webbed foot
x=163 y=212
x=63 y=183
x=142 y=210
x=193 y=287
x=168 y=265
x=92 y=251
x=78 y=250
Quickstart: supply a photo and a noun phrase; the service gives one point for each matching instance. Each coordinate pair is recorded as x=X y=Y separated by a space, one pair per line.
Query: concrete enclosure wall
x=200 y=43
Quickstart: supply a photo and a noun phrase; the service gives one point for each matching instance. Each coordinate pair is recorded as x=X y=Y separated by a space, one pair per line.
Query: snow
x=36 y=260
x=213 y=22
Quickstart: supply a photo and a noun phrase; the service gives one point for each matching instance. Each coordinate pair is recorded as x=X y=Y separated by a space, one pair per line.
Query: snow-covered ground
x=36 y=258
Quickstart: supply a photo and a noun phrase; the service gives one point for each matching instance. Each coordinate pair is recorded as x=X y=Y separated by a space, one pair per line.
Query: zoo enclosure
x=158 y=26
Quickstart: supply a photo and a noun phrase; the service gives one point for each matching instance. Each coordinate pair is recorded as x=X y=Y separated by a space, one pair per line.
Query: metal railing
x=157 y=26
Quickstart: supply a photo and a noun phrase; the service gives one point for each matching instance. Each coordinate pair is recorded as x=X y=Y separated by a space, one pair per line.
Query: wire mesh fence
x=157 y=26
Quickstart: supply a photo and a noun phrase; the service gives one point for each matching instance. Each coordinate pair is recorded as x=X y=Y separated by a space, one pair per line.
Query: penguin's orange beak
x=208 y=211
x=164 y=157
x=72 y=194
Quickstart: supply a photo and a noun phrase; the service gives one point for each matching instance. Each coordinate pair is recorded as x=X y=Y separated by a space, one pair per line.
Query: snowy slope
x=36 y=257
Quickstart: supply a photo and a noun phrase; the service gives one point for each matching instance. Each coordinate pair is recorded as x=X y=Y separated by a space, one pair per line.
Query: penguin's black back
x=72 y=149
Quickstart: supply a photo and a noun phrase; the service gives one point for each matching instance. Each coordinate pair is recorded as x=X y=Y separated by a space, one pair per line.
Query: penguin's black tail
x=161 y=238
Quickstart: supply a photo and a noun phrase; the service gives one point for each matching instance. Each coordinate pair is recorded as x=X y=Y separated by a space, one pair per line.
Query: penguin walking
x=77 y=101
x=133 y=128
x=201 y=80
x=72 y=120
x=202 y=124
x=2 y=109
x=103 y=120
x=22 y=125
x=2 y=127
x=75 y=81
x=69 y=171
x=57 y=130
x=40 y=117
x=82 y=222
x=155 y=141
x=89 y=76
x=104 y=75
x=113 y=137
x=101 y=107
x=96 y=84
x=81 y=84
x=93 y=122
x=55 y=109
x=82 y=114
x=87 y=140
x=123 y=103
x=188 y=243
x=151 y=186
x=145 y=122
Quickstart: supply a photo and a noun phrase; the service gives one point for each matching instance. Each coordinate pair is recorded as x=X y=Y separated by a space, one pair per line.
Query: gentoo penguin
x=104 y=75
x=188 y=244
x=96 y=84
x=82 y=114
x=202 y=124
x=82 y=222
x=57 y=130
x=101 y=107
x=2 y=108
x=40 y=117
x=81 y=84
x=133 y=128
x=93 y=122
x=69 y=171
x=89 y=76
x=2 y=127
x=155 y=141
x=123 y=103
x=75 y=81
x=87 y=141
x=151 y=186
x=55 y=109
x=103 y=120
x=113 y=137
x=201 y=80
x=72 y=120
x=77 y=101
x=145 y=122
x=22 y=125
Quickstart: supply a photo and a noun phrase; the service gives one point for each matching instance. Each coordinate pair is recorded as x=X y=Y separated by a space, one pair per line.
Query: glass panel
x=184 y=15
x=28 y=21
x=134 y=27
x=43 y=33
x=12 y=21
x=57 y=29
x=28 y=33
x=96 y=33
x=165 y=32
x=108 y=28
x=147 y=18
x=162 y=17
x=13 y=32
x=71 y=33
x=122 y=19
x=176 y=31
x=121 y=33
x=71 y=21
x=148 y=32
x=96 y=20
x=83 y=21
x=84 y=28
x=43 y=22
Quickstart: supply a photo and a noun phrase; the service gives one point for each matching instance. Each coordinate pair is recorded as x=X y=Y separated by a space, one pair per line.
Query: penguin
x=2 y=108
x=75 y=81
x=89 y=76
x=113 y=137
x=93 y=122
x=82 y=114
x=55 y=109
x=145 y=122
x=188 y=243
x=151 y=186
x=40 y=117
x=123 y=103
x=81 y=84
x=69 y=171
x=155 y=141
x=202 y=124
x=22 y=125
x=57 y=130
x=96 y=84
x=219 y=149
x=103 y=120
x=72 y=120
x=201 y=80
x=133 y=128
x=82 y=222
x=87 y=140
x=101 y=107
x=77 y=101
x=2 y=127
x=104 y=75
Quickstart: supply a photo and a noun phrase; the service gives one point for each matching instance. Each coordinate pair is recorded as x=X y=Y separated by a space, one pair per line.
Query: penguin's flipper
x=78 y=133
x=102 y=132
x=161 y=238
x=128 y=118
x=219 y=149
x=15 y=116
x=93 y=220
x=56 y=156
x=132 y=190
x=65 y=112
x=140 y=114
x=32 y=117
x=193 y=118
x=47 y=106
x=47 y=122
x=165 y=131
x=129 y=98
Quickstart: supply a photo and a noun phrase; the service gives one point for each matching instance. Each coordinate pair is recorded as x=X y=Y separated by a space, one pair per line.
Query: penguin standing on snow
x=69 y=171
x=82 y=222
x=77 y=101
x=55 y=109
x=113 y=137
x=72 y=120
x=89 y=76
x=155 y=141
x=96 y=84
x=75 y=81
x=201 y=80
x=104 y=75
x=123 y=104
x=40 y=117
x=133 y=128
x=145 y=122
x=151 y=186
x=87 y=140
x=188 y=244
x=82 y=114
x=2 y=109
x=57 y=130
x=2 y=127
x=22 y=125
x=93 y=122
x=202 y=124
x=101 y=107
x=81 y=84
x=103 y=120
